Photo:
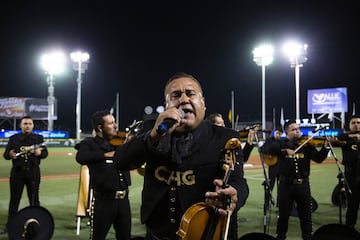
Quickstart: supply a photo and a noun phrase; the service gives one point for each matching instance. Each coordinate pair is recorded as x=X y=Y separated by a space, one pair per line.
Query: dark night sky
x=135 y=48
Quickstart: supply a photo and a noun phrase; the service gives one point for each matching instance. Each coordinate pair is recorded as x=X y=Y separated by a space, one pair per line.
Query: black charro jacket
x=298 y=166
x=351 y=157
x=17 y=141
x=181 y=179
x=104 y=177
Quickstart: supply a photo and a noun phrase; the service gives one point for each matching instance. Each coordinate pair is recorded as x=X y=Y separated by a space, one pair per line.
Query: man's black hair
x=97 y=118
x=25 y=117
x=181 y=75
x=290 y=121
x=354 y=116
x=279 y=128
x=211 y=117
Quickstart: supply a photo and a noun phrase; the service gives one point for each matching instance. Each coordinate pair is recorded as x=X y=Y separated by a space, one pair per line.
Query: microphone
x=251 y=127
x=168 y=123
x=319 y=128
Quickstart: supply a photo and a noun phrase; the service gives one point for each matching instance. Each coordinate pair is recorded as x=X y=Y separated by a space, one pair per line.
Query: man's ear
x=99 y=128
x=203 y=101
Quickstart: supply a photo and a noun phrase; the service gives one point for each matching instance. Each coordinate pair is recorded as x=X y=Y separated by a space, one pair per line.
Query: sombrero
x=336 y=231
x=257 y=236
x=31 y=223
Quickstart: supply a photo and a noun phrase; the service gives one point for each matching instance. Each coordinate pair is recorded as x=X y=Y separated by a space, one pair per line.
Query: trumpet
x=28 y=149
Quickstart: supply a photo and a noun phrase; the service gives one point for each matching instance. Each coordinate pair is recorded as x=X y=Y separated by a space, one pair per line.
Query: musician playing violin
x=110 y=203
x=351 y=162
x=183 y=165
x=293 y=172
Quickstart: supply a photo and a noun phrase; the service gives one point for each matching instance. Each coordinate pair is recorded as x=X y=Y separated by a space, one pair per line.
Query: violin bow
x=229 y=166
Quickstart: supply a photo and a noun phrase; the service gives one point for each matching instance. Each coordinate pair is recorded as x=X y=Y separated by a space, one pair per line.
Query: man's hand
x=218 y=198
x=37 y=151
x=12 y=154
x=109 y=154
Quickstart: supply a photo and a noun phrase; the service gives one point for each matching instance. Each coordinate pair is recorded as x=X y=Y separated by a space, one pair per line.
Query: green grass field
x=59 y=194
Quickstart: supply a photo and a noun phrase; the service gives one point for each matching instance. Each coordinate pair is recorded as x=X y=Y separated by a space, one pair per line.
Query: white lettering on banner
x=163 y=174
x=326 y=98
x=12 y=107
x=11 y=102
x=38 y=108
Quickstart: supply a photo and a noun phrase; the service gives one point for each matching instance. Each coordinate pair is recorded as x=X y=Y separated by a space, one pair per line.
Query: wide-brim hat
x=35 y=223
x=336 y=231
x=257 y=236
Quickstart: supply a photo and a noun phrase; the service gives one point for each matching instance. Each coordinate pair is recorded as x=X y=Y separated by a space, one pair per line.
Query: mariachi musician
x=294 y=170
x=183 y=161
x=26 y=150
x=110 y=203
x=351 y=161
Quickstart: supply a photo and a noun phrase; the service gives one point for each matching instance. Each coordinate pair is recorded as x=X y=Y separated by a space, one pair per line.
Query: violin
x=272 y=160
x=320 y=141
x=202 y=221
x=122 y=137
x=118 y=139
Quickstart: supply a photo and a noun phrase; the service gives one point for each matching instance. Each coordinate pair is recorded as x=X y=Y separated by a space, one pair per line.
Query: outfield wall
x=51 y=142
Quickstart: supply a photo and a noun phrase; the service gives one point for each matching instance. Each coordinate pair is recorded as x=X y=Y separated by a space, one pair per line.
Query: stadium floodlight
x=263 y=56
x=80 y=60
x=296 y=53
x=52 y=63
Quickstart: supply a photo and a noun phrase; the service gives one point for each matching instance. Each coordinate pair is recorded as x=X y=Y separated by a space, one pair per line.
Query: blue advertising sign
x=308 y=132
x=330 y=132
x=327 y=100
x=45 y=134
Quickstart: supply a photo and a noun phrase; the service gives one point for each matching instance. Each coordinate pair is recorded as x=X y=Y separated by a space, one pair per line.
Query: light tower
x=53 y=63
x=263 y=56
x=80 y=60
x=296 y=53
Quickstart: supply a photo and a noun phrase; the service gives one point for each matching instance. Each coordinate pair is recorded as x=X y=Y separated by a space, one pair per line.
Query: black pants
x=20 y=177
x=107 y=212
x=300 y=193
x=353 y=201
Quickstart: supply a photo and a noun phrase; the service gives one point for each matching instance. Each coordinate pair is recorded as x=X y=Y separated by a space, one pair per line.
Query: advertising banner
x=327 y=100
x=18 y=107
x=45 y=134
x=12 y=107
x=37 y=108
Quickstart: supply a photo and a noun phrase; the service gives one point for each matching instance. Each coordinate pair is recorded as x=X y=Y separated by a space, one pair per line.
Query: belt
x=111 y=195
x=295 y=181
x=23 y=168
x=120 y=194
x=298 y=181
